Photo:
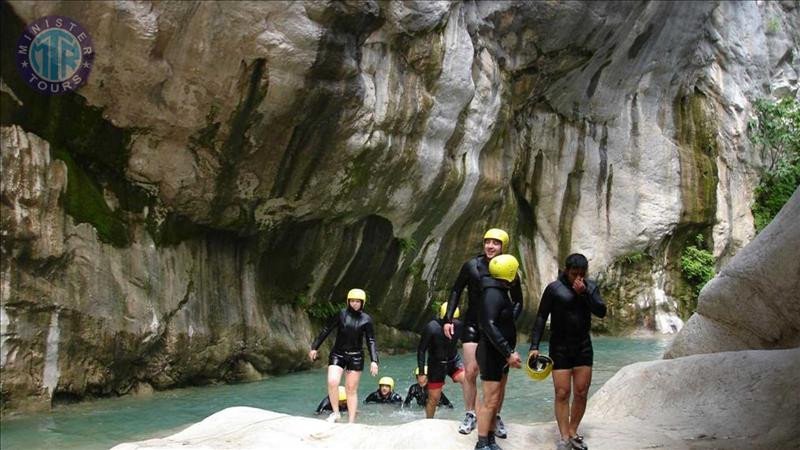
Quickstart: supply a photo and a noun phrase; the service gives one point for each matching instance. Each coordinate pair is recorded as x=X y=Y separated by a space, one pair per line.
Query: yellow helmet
x=342 y=394
x=500 y=235
x=504 y=267
x=357 y=294
x=389 y=381
x=443 y=311
x=539 y=368
x=416 y=370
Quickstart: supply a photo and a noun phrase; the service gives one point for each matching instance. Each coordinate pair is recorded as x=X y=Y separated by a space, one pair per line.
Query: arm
x=369 y=333
x=455 y=292
x=516 y=297
x=424 y=343
x=333 y=323
x=324 y=404
x=545 y=306
x=490 y=308
x=408 y=396
x=595 y=301
x=396 y=398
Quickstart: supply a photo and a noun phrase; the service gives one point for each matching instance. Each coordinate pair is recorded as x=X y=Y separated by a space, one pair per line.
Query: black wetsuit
x=375 y=397
x=498 y=332
x=353 y=328
x=570 y=342
x=420 y=394
x=443 y=358
x=470 y=276
x=325 y=405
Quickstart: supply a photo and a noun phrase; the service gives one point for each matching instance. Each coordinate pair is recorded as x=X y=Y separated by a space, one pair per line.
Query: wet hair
x=576 y=261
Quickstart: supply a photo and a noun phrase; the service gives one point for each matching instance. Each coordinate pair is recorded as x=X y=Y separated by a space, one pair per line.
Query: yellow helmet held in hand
x=504 y=267
x=388 y=381
x=443 y=311
x=539 y=368
x=342 y=394
x=500 y=235
x=357 y=294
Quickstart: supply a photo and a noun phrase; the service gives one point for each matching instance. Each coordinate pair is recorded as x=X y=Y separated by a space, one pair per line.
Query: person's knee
x=562 y=394
x=333 y=383
x=471 y=373
x=581 y=393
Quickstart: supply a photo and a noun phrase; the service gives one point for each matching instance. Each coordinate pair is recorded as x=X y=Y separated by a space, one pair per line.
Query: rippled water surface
x=105 y=423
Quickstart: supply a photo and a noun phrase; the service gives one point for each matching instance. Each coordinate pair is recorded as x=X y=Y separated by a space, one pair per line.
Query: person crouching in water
x=443 y=358
x=353 y=327
x=325 y=403
x=570 y=302
x=495 y=352
x=385 y=393
x=419 y=392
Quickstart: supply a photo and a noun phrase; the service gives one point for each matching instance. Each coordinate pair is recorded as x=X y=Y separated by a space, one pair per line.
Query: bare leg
x=488 y=407
x=351 y=386
x=334 y=377
x=561 y=383
x=581 y=380
x=470 y=385
x=433 y=402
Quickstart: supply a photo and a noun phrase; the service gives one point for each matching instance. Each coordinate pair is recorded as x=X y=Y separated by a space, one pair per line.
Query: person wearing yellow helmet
x=495 y=242
x=442 y=358
x=385 y=393
x=496 y=350
x=353 y=326
x=325 y=403
x=570 y=302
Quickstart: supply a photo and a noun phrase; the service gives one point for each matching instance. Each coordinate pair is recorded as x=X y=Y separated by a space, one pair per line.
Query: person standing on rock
x=496 y=349
x=495 y=242
x=442 y=358
x=570 y=301
x=353 y=326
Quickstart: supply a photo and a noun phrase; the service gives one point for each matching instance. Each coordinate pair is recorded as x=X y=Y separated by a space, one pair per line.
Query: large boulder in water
x=754 y=302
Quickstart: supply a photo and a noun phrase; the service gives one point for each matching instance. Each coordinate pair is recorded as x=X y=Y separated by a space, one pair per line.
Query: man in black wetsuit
x=419 y=392
x=495 y=242
x=496 y=348
x=353 y=327
x=325 y=403
x=443 y=358
x=385 y=393
x=570 y=301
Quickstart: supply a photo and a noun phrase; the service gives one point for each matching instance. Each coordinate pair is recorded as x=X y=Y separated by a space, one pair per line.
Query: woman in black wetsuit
x=353 y=327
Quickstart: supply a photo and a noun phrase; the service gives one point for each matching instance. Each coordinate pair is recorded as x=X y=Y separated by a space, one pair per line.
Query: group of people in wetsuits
x=488 y=336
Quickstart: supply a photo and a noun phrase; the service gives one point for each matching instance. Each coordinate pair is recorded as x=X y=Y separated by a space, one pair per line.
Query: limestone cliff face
x=231 y=169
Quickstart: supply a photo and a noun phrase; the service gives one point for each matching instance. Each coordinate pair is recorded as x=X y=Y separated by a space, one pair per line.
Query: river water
x=104 y=423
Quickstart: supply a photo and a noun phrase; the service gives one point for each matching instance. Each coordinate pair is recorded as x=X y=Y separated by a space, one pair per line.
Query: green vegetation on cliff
x=776 y=129
x=697 y=267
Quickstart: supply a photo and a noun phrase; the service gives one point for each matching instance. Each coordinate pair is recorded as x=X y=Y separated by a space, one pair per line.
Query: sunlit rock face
x=231 y=169
x=754 y=303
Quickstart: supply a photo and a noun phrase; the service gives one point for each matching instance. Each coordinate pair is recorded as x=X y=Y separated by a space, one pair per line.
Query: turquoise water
x=105 y=423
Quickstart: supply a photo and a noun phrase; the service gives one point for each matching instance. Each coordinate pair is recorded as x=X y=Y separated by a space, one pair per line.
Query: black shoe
x=577 y=443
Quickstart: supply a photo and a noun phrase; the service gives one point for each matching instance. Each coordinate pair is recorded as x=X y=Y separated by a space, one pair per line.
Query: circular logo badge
x=55 y=55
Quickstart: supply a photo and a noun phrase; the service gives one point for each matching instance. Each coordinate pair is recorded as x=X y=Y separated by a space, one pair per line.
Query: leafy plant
x=697 y=265
x=776 y=129
x=408 y=245
x=322 y=310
